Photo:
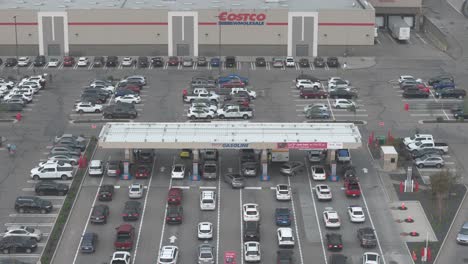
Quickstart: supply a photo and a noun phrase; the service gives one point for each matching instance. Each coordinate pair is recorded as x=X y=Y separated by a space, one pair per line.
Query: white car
x=168 y=255
x=135 y=191
x=356 y=214
x=197 y=113
x=285 y=237
x=323 y=192
x=308 y=84
x=252 y=251
x=337 y=82
x=6 y=83
x=178 y=171
x=290 y=62
x=331 y=218
x=252 y=94
x=283 y=192
x=207 y=200
x=121 y=257
x=25 y=91
x=318 y=173
x=205 y=230
x=250 y=212
x=23 y=61
x=24 y=97
x=82 y=62
x=127 y=61
x=370 y=258
x=53 y=62
x=128 y=98
x=404 y=78
x=344 y=104
x=211 y=107
x=35 y=86
x=23 y=231
x=96 y=168
x=86 y=107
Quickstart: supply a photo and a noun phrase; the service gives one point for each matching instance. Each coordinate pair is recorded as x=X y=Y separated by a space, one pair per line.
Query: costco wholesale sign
x=245 y=19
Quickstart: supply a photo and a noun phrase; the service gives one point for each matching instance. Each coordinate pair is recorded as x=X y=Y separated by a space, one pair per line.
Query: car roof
x=285 y=231
x=125 y=228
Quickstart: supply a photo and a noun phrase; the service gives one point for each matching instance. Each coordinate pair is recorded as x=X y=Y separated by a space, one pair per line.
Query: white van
x=207 y=200
x=96 y=168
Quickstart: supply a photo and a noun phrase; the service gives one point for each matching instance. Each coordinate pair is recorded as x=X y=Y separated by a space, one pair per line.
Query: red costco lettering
x=225 y=16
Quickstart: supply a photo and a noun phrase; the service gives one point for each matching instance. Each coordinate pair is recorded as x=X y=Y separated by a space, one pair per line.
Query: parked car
x=444 y=84
x=260 y=62
x=439 y=78
x=23 y=61
x=319 y=62
x=414 y=93
x=367 y=237
x=17 y=245
x=304 y=63
x=51 y=188
x=157 y=61
x=30 y=204
x=342 y=94
x=429 y=161
x=187 y=62
x=290 y=62
x=230 y=62
x=201 y=61
x=23 y=231
x=39 y=61
x=119 y=111
x=11 y=62
x=278 y=63
x=82 y=62
x=99 y=61
x=462 y=236
x=128 y=62
x=143 y=62
x=333 y=62
x=112 y=61
x=427 y=151
x=173 y=61
x=87 y=107
x=215 y=62
x=68 y=61
x=317 y=114
x=451 y=93
x=99 y=214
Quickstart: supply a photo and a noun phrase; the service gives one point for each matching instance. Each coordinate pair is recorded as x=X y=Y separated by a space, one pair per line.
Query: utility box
x=389 y=158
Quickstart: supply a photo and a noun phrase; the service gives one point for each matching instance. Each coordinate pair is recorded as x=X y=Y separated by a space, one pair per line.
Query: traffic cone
x=402 y=207
x=409 y=219
x=413 y=255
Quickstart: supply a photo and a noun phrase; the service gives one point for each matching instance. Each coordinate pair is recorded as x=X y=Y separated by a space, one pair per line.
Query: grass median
x=65 y=211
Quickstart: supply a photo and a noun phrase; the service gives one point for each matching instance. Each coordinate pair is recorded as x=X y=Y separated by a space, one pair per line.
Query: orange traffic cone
x=402 y=206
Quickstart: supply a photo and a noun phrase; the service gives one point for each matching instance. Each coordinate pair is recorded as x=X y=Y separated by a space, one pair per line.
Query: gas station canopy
x=229 y=135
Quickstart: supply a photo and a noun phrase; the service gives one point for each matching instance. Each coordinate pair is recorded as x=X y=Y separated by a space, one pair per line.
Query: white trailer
x=399 y=28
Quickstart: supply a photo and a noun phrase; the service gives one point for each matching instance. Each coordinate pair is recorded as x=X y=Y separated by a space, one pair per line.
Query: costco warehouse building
x=183 y=27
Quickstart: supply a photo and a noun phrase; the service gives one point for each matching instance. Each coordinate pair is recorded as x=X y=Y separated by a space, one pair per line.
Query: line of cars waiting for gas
x=50 y=178
x=125 y=94
x=145 y=62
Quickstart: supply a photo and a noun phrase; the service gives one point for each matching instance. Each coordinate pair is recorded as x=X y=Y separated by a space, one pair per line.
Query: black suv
x=338 y=259
x=11 y=62
x=131 y=211
x=174 y=214
x=260 y=62
x=414 y=93
x=284 y=256
x=304 y=62
x=367 y=237
x=319 y=62
x=99 y=61
x=120 y=111
x=437 y=79
x=230 y=62
x=51 y=188
x=144 y=155
x=334 y=241
x=252 y=231
x=157 y=61
x=333 y=62
x=99 y=214
x=201 y=61
x=17 y=245
x=342 y=94
x=26 y=204
x=39 y=60
x=106 y=192
x=112 y=61
x=143 y=62
x=88 y=243
x=451 y=93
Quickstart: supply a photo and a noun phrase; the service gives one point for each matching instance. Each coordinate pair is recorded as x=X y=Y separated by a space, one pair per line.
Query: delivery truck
x=399 y=29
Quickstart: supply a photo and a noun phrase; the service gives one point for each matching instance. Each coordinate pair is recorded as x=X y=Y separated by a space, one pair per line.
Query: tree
x=441 y=183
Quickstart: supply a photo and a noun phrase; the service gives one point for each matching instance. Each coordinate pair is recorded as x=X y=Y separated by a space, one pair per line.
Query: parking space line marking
x=253 y=188
x=378 y=41
x=372 y=224
x=312 y=66
x=207 y=187
x=30 y=224
x=87 y=222
x=218 y=223
x=181 y=187
x=315 y=210
x=32 y=215
x=330 y=107
x=326 y=67
x=164 y=220
x=143 y=214
x=456 y=9
x=298 y=238
x=390 y=37
x=419 y=36
x=268 y=65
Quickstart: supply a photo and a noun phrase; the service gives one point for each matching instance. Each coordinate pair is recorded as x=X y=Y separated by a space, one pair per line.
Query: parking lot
x=277 y=101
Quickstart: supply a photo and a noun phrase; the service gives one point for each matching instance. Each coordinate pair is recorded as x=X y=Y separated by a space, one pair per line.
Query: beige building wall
x=396 y=3
x=346 y=27
x=26 y=27
x=244 y=35
x=117 y=34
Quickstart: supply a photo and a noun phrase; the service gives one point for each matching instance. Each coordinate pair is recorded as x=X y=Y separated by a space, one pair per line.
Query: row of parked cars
x=442 y=85
x=425 y=151
x=144 y=61
x=16 y=95
x=126 y=94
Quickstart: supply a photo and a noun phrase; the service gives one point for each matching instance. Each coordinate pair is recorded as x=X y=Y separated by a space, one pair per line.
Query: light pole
x=219 y=46
x=16 y=45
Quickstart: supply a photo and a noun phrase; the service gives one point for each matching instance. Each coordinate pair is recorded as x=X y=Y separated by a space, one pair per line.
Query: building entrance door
x=53 y=50
x=183 y=50
x=302 y=50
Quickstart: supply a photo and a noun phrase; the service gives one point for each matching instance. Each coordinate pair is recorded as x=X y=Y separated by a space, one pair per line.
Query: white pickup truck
x=235 y=112
x=424 y=144
x=212 y=96
x=52 y=171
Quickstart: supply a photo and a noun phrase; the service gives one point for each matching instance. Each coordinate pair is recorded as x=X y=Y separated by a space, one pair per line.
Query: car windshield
x=358 y=213
x=207 y=201
x=368 y=236
x=123 y=236
x=165 y=260
x=119 y=262
x=210 y=169
x=319 y=170
x=464 y=231
x=251 y=253
x=135 y=189
x=206 y=255
x=372 y=257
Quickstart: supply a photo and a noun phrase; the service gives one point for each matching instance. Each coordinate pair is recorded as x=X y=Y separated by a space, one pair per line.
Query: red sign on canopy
x=302 y=145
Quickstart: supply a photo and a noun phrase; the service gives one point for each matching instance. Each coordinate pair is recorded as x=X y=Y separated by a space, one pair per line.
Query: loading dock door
x=409 y=20
x=53 y=50
x=183 y=50
x=380 y=21
x=302 y=50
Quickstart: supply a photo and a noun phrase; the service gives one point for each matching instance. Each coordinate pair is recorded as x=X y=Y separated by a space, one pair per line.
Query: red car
x=131 y=87
x=423 y=87
x=352 y=188
x=233 y=83
x=124 y=238
x=68 y=61
x=174 y=197
x=230 y=257
x=173 y=61
x=142 y=172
